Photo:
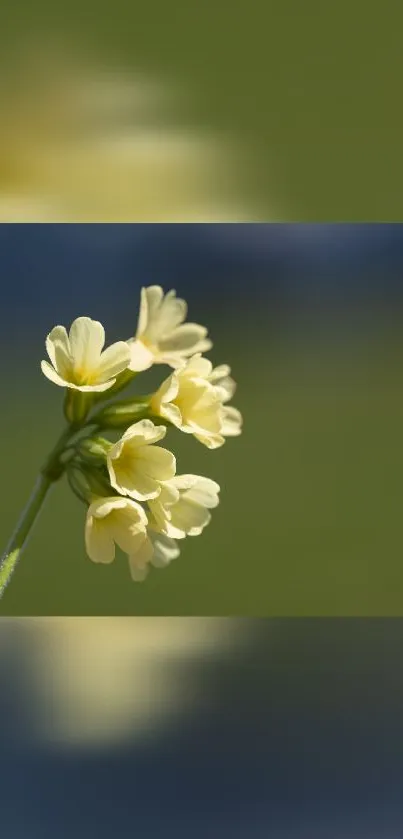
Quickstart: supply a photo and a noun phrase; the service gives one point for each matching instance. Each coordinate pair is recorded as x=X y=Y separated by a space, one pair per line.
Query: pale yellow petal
x=220 y=372
x=140 y=558
x=168 y=390
x=198 y=366
x=143 y=313
x=135 y=483
x=202 y=410
x=113 y=361
x=211 y=441
x=58 y=349
x=96 y=388
x=169 y=493
x=141 y=357
x=150 y=301
x=51 y=374
x=188 y=518
x=98 y=541
x=144 y=432
x=87 y=338
x=171 y=312
x=201 y=490
x=183 y=339
x=231 y=421
x=172 y=414
x=157 y=463
x=165 y=550
x=102 y=507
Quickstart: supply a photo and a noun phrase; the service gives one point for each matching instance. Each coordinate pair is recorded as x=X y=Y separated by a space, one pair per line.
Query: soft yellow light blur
x=96 y=680
x=80 y=143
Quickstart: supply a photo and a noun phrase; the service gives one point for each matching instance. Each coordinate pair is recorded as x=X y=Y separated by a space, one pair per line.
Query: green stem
x=51 y=471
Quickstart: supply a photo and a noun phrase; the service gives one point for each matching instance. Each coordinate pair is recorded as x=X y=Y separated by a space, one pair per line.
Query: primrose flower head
x=122 y=522
x=114 y=521
x=136 y=466
x=133 y=498
x=192 y=398
x=182 y=508
x=162 y=336
x=78 y=359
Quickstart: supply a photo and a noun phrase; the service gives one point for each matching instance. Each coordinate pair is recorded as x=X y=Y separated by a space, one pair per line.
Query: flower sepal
x=123 y=414
x=77 y=406
x=88 y=483
x=93 y=450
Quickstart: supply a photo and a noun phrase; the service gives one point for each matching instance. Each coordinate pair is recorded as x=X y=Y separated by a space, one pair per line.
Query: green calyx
x=93 y=450
x=123 y=414
x=77 y=406
x=87 y=482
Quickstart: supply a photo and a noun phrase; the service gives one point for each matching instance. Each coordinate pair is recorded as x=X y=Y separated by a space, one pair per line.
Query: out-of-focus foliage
x=311 y=91
x=85 y=142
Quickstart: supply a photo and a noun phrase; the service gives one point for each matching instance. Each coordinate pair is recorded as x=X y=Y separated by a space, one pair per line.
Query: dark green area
x=312 y=89
x=311 y=516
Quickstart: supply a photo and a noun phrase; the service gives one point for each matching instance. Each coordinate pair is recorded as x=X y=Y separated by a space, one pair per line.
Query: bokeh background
x=304 y=96
x=176 y=727
x=310 y=318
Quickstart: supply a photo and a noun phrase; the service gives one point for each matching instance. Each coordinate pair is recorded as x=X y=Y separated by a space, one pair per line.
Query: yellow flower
x=136 y=467
x=114 y=521
x=182 y=508
x=121 y=521
x=162 y=336
x=157 y=550
x=221 y=379
x=231 y=421
x=193 y=397
x=78 y=360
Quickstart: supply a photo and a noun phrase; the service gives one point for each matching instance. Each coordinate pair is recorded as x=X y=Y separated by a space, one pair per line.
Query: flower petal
x=188 y=518
x=113 y=361
x=98 y=541
x=211 y=441
x=172 y=414
x=220 y=372
x=163 y=316
x=157 y=463
x=58 y=349
x=231 y=421
x=165 y=550
x=198 y=367
x=87 y=338
x=183 y=339
x=144 y=432
x=140 y=558
x=201 y=490
x=168 y=390
x=141 y=357
x=150 y=299
x=51 y=374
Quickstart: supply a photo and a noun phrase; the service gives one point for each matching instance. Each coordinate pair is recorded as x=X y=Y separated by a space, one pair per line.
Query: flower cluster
x=135 y=499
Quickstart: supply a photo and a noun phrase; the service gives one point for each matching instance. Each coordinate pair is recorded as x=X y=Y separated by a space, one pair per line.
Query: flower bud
x=123 y=414
x=93 y=450
x=88 y=483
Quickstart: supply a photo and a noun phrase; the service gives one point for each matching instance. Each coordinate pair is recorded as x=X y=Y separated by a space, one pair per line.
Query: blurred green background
x=309 y=91
x=310 y=520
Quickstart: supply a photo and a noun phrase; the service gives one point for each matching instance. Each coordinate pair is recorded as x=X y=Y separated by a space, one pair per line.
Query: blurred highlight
x=281 y=728
x=83 y=143
x=94 y=681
